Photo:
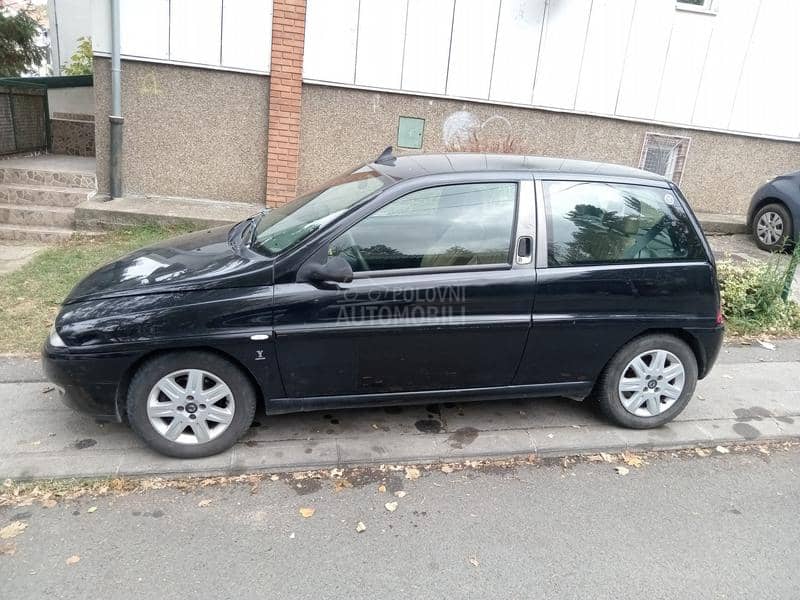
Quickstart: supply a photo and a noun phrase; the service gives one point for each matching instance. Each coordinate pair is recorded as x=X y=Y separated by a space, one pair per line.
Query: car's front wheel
x=648 y=382
x=190 y=404
x=772 y=227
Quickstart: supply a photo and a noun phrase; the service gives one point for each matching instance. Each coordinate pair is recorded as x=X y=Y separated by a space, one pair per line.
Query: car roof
x=409 y=166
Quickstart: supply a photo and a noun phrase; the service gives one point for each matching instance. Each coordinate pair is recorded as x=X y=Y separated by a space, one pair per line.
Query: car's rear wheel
x=772 y=227
x=190 y=404
x=648 y=382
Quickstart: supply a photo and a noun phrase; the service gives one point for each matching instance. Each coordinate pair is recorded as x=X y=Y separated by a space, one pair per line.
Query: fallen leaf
x=474 y=561
x=204 y=503
x=360 y=527
x=91 y=509
x=391 y=506
x=74 y=559
x=632 y=460
x=341 y=484
x=307 y=512
x=8 y=549
x=722 y=449
x=400 y=493
x=412 y=473
x=621 y=470
x=767 y=345
x=447 y=469
x=12 y=530
x=702 y=452
x=49 y=503
x=382 y=488
x=606 y=457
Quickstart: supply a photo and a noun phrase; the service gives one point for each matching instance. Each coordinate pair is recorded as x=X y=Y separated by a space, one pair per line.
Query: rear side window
x=603 y=223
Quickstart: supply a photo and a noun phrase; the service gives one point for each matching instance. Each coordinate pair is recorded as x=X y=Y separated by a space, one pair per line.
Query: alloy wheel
x=651 y=383
x=190 y=406
x=770 y=228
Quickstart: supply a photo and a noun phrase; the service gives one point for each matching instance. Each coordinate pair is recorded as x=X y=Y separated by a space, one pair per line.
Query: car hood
x=201 y=260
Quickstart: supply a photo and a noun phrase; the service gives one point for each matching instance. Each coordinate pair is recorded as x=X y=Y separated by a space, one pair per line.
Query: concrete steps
x=38 y=204
x=36 y=215
x=37 y=177
x=42 y=195
x=31 y=233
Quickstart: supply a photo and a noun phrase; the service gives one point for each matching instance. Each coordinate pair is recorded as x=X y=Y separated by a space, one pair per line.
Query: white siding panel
x=330 y=46
x=381 y=39
x=427 y=49
x=644 y=62
x=604 y=56
x=684 y=67
x=472 y=48
x=562 y=52
x=517 y=50
x=144 y=28
x=246 y=34
x=733 y=25
x=767 y=99
x=101 y=26
x=195 y=31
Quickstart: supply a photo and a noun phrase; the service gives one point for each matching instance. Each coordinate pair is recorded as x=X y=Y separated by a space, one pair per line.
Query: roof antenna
x=386 y=157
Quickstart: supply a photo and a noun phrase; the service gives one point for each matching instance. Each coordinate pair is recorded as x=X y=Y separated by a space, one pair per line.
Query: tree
x=80 y=63
x=19 y=53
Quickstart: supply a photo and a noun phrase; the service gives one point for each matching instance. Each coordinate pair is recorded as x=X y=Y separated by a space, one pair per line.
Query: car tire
x=176 y=402
x=766 y=219
x=658 y=403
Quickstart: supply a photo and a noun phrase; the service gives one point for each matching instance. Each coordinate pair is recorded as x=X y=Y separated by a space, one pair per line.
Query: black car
x=774 y=213
x=408 y=280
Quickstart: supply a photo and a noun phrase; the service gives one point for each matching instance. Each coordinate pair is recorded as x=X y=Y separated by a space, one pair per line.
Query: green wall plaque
x=409 y=132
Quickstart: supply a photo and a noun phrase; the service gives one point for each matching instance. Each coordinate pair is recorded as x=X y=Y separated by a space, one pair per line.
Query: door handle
x=524 y=250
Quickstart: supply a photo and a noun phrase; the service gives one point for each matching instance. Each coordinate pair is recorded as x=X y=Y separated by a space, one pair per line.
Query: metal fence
x=24 y=122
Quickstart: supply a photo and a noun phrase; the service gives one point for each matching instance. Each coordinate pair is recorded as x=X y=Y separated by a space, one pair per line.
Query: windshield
x=291 y=223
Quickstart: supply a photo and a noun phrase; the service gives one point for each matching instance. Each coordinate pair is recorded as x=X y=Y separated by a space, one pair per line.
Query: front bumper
x=86 y=383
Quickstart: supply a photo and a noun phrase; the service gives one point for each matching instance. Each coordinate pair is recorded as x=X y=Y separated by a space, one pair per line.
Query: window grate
x=665 y=155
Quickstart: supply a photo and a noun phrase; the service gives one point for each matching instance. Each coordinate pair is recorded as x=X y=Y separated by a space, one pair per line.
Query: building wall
x=341 y=127
x=636 y=59
x=76 y=100
x=188 y=132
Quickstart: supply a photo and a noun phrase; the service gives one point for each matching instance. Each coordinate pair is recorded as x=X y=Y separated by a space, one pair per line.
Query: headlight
x=55 y=340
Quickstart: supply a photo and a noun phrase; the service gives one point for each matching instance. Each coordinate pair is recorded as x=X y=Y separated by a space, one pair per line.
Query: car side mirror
x=335 y=270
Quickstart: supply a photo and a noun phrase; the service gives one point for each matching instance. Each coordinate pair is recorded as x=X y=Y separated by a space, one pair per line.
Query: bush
x=752 y=298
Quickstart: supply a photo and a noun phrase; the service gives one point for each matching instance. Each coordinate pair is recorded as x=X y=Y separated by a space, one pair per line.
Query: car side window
x=445 y=226
x=604 y=223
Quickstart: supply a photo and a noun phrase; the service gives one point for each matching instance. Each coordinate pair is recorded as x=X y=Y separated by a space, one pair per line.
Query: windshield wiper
x=252 y=222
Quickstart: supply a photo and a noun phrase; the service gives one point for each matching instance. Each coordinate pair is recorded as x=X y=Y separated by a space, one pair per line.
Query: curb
x=291 y=455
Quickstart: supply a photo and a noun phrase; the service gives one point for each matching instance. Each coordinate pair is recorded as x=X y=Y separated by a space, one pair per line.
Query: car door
x=441 y=297
x=614 y=259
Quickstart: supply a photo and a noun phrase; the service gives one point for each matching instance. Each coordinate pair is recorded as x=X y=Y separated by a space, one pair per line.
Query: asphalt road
x=725 y=526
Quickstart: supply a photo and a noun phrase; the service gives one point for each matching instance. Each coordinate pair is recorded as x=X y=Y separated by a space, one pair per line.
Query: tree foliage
x=80 y=63
x=19 y=53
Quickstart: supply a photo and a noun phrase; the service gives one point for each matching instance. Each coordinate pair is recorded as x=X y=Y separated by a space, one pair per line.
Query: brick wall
x=285 y=89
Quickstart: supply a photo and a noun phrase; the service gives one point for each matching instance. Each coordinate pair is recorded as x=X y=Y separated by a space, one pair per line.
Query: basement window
x=665 y=155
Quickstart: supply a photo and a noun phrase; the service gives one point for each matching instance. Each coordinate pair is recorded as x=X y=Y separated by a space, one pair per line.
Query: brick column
x=285 y=89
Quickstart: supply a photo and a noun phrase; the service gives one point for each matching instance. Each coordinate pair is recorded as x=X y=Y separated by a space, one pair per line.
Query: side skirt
x=573 y=389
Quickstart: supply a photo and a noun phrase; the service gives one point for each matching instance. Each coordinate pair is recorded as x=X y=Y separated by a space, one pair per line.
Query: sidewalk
x=753 y=394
